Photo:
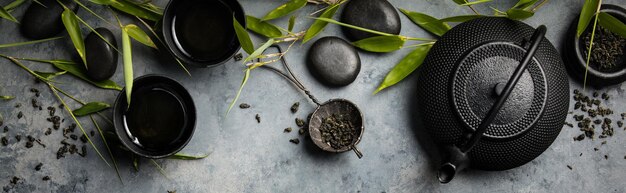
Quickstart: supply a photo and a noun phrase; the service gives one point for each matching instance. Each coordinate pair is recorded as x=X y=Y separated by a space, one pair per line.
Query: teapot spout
x=453 y=162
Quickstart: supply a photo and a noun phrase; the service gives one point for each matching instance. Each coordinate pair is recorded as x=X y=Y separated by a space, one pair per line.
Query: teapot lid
x=478 y=81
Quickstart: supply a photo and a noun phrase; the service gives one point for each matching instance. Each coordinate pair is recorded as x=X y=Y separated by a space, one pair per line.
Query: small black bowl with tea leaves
x=160 y=119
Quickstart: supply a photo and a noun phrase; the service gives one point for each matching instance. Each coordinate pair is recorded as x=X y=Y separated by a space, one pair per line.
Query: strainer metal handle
x=291 y=77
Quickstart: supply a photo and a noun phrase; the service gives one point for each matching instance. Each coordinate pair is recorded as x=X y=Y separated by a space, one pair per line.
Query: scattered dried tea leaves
x=5 y=141
x=591 y=108
x=295 y=141
x=45 y=178
x=287 y=130
x=570 y=167
x=29 y=144
x=300 y=122
x=258 y=118
x=238 y=56
x=244 y=106
x=20 y=115
x=294 y=107
x=38 y=166
x=301 y=131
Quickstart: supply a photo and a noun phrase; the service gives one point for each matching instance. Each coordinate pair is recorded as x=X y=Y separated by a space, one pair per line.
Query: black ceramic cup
x=576 y=59
x=200 y=32
x=160 y=119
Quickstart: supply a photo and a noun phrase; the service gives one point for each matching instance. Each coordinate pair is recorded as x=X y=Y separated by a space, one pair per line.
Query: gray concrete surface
x=251 y=157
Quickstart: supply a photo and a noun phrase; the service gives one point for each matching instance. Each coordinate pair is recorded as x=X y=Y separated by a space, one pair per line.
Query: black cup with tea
x=160 y=119
x=200 y=32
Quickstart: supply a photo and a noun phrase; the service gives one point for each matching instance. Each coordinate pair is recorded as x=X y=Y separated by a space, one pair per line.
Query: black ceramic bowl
x=576 y=59
x=200 y=32
x=177 y=133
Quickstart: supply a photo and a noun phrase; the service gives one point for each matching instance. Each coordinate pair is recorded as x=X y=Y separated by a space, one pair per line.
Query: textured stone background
x=251 y=157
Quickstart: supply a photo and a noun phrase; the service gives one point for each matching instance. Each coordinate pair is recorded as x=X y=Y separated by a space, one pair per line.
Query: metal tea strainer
x=325 y=110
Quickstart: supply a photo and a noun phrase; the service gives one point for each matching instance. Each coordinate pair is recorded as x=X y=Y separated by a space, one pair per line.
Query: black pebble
x=38 y=167
x=294 y=107
x=41 y=22
x=377 y=15
x=333 y=61
x=101 y=57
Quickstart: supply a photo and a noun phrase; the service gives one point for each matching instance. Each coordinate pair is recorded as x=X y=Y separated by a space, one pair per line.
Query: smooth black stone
x=44 y=22
x=334 y=61
x=377 y=15
x=101 y=57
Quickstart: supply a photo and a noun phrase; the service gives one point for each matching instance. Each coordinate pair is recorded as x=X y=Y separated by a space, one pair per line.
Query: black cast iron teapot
x=493 y=94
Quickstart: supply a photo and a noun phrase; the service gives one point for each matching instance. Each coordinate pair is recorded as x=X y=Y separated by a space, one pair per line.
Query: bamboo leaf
x=405 y=67
x=161 y=170
x=380 y=43
x=518 y=14
x=427 y=22
x=353 y=26
x=319 y=25
x=475 y=2
x=243 y=83
x=49 y=75
x=497 y=11
x=243 y=37
x=136 y=163
x=259 y=50
x=292 y=22
x=91 y=11
x=90 y=108
x=73 y=29
x=612 y=24
x=182 y=156
x=14 y=4
x=523 y=4
x=262 y=27
x=131 y=8
x=461 y=18
x=36 y=1
x=6 y=98
x=128 y=65
x=104 y=140
x=98 y=34
x=161 y=41
x=75 y=70
x=588 y=11
x=138 y=34
x=28 y=42
x=285 y=9
x=460 y=2
x=6 y=15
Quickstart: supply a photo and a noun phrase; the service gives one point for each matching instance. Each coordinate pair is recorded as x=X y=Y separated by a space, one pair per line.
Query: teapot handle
x=517 y=74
